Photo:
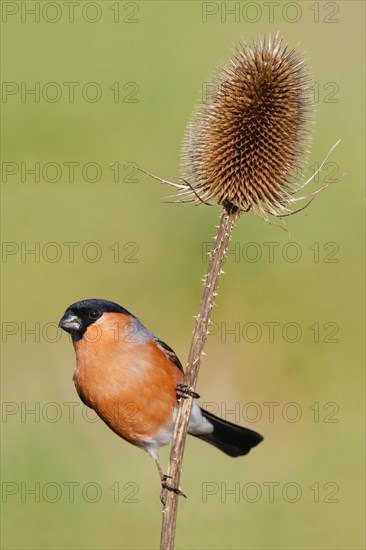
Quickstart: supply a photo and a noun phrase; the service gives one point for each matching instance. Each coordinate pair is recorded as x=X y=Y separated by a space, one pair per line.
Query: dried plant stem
x=228 y=218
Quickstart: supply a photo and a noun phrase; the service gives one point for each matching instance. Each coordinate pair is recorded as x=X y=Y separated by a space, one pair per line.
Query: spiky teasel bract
x=246 y=140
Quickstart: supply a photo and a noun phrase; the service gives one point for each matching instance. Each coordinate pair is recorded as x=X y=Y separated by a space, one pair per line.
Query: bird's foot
x=184 y=391
x=167 y=487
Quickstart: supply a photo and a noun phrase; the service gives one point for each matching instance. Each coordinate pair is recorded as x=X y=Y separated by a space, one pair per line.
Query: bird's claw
x=171 y=488
x=184 y=391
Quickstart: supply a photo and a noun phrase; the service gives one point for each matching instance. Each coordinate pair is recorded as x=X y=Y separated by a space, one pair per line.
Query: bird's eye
x=94 y=314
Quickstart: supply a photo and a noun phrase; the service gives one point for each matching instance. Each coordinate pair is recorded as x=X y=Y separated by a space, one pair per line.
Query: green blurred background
x=160 y=54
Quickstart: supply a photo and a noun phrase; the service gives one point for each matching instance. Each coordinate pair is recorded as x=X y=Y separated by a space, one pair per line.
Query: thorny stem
x=227 y=221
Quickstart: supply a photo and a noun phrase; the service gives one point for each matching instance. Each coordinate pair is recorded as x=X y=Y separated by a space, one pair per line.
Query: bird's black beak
x=70 y=323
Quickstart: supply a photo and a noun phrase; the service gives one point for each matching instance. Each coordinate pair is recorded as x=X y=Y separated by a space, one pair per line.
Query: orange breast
x=126 y=378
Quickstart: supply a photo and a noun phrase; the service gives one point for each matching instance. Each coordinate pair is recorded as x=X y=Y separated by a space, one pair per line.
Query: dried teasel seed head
x=245 y=141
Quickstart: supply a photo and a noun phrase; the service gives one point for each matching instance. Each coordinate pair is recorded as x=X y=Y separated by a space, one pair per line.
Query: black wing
x=170 y=354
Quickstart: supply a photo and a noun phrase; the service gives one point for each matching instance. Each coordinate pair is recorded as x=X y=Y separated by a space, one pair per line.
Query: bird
x=133 y=381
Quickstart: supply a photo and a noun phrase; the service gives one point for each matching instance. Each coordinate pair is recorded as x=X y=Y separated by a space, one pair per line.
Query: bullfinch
x=133 y=381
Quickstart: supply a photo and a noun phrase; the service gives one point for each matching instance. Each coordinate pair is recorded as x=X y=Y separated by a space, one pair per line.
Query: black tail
x=231 y=439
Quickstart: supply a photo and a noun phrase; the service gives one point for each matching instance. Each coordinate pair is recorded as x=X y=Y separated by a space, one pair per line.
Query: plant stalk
x=227 y=221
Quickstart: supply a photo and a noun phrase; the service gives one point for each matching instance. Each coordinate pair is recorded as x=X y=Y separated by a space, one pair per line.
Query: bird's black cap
x=80 y=315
